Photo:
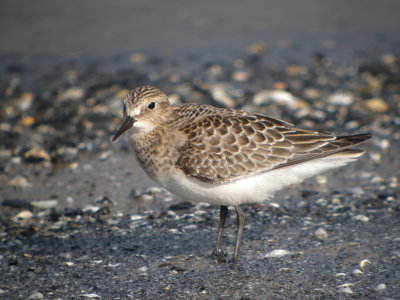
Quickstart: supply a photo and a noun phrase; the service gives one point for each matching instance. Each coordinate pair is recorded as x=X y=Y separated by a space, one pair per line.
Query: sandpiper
x=225 y=156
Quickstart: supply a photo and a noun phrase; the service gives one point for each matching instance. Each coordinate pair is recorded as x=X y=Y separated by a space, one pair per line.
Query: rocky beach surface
x=79 y=219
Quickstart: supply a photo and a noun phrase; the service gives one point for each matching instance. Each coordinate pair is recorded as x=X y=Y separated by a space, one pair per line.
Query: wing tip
x=356 y=138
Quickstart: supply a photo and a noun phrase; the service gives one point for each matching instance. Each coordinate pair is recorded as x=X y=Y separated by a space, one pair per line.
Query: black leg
x=218 y=253
x=240 y=223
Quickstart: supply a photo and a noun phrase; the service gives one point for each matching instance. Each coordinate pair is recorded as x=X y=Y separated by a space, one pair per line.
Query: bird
x=224 y=156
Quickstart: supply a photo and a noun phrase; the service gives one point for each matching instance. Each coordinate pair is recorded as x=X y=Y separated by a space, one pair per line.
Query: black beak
x=128 y=123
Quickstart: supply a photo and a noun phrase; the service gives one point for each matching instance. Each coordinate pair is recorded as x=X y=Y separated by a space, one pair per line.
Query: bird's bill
x=128 y=123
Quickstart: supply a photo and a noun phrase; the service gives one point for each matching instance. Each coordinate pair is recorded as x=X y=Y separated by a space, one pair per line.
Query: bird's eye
x=151 y=105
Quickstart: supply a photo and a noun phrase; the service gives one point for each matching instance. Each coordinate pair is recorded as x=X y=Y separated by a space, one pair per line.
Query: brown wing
x=222 y=147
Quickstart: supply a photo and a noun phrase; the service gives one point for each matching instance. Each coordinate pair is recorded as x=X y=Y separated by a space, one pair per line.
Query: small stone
x=105 y=155
x=24 y=102
x=92 y=295
x=376 y=157
x=69 y=263
x=295 y=70
x=114 y=265
x=137 y=58
x=364 y=263
x=44 y=203
x=277 y=253
x=381 y=287
x=240 y=75
x=357 y=272
x=340 y=274
x=377 y=105
x=339 y=98
x=384 y=144
x=27 y=121
x=388 y=59
x=322 y=179
x=22 y=216
x=257 y=48
x=36 y=296
x=321 y=234
x=36 y=154
x=361 y=218
x=311 y=93
x=73 y=93
x=280 y=85
x=19 y=182
x=90 y=209
x=279 y=97
x=345 y=290
x=144 y=271
x=220 y=95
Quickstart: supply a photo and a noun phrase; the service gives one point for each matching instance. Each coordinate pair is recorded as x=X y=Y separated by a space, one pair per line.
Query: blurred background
x=60 y=30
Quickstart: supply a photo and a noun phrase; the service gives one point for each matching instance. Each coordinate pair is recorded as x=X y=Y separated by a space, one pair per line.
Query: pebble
x=321 y=179
x=357 y=272
x=27 y=121
x=240 y=76
x=137 y=58
x=381 y=287
x=22 y=216
x=19 y=182
x=340 y=98
x=105 y=155
x=345 y=289
x=257 y=48
x=44 y=203
x=361 y=218
x=277 y=96
x=35 y=296
x=389 y=59
x=221 y=96
x=277 y=253
x=36 y=154
x=92 y=295
x=144 y=271
x=311 y=93
x=321 y=234
x=377 y=105
x=90 y=208
x=364 y=263
x=73 y=93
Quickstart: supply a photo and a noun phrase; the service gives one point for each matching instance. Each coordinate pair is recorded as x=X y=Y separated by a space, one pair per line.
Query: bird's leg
x=218 y=253
x=240 y=224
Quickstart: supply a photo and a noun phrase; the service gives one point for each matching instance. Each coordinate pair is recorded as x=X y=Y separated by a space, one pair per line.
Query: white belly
x=249 y=189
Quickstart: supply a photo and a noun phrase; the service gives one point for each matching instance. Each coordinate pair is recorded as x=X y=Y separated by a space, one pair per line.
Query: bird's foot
x=219 y=255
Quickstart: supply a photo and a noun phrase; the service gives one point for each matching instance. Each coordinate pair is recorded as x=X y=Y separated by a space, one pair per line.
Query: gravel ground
x=79 y=219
